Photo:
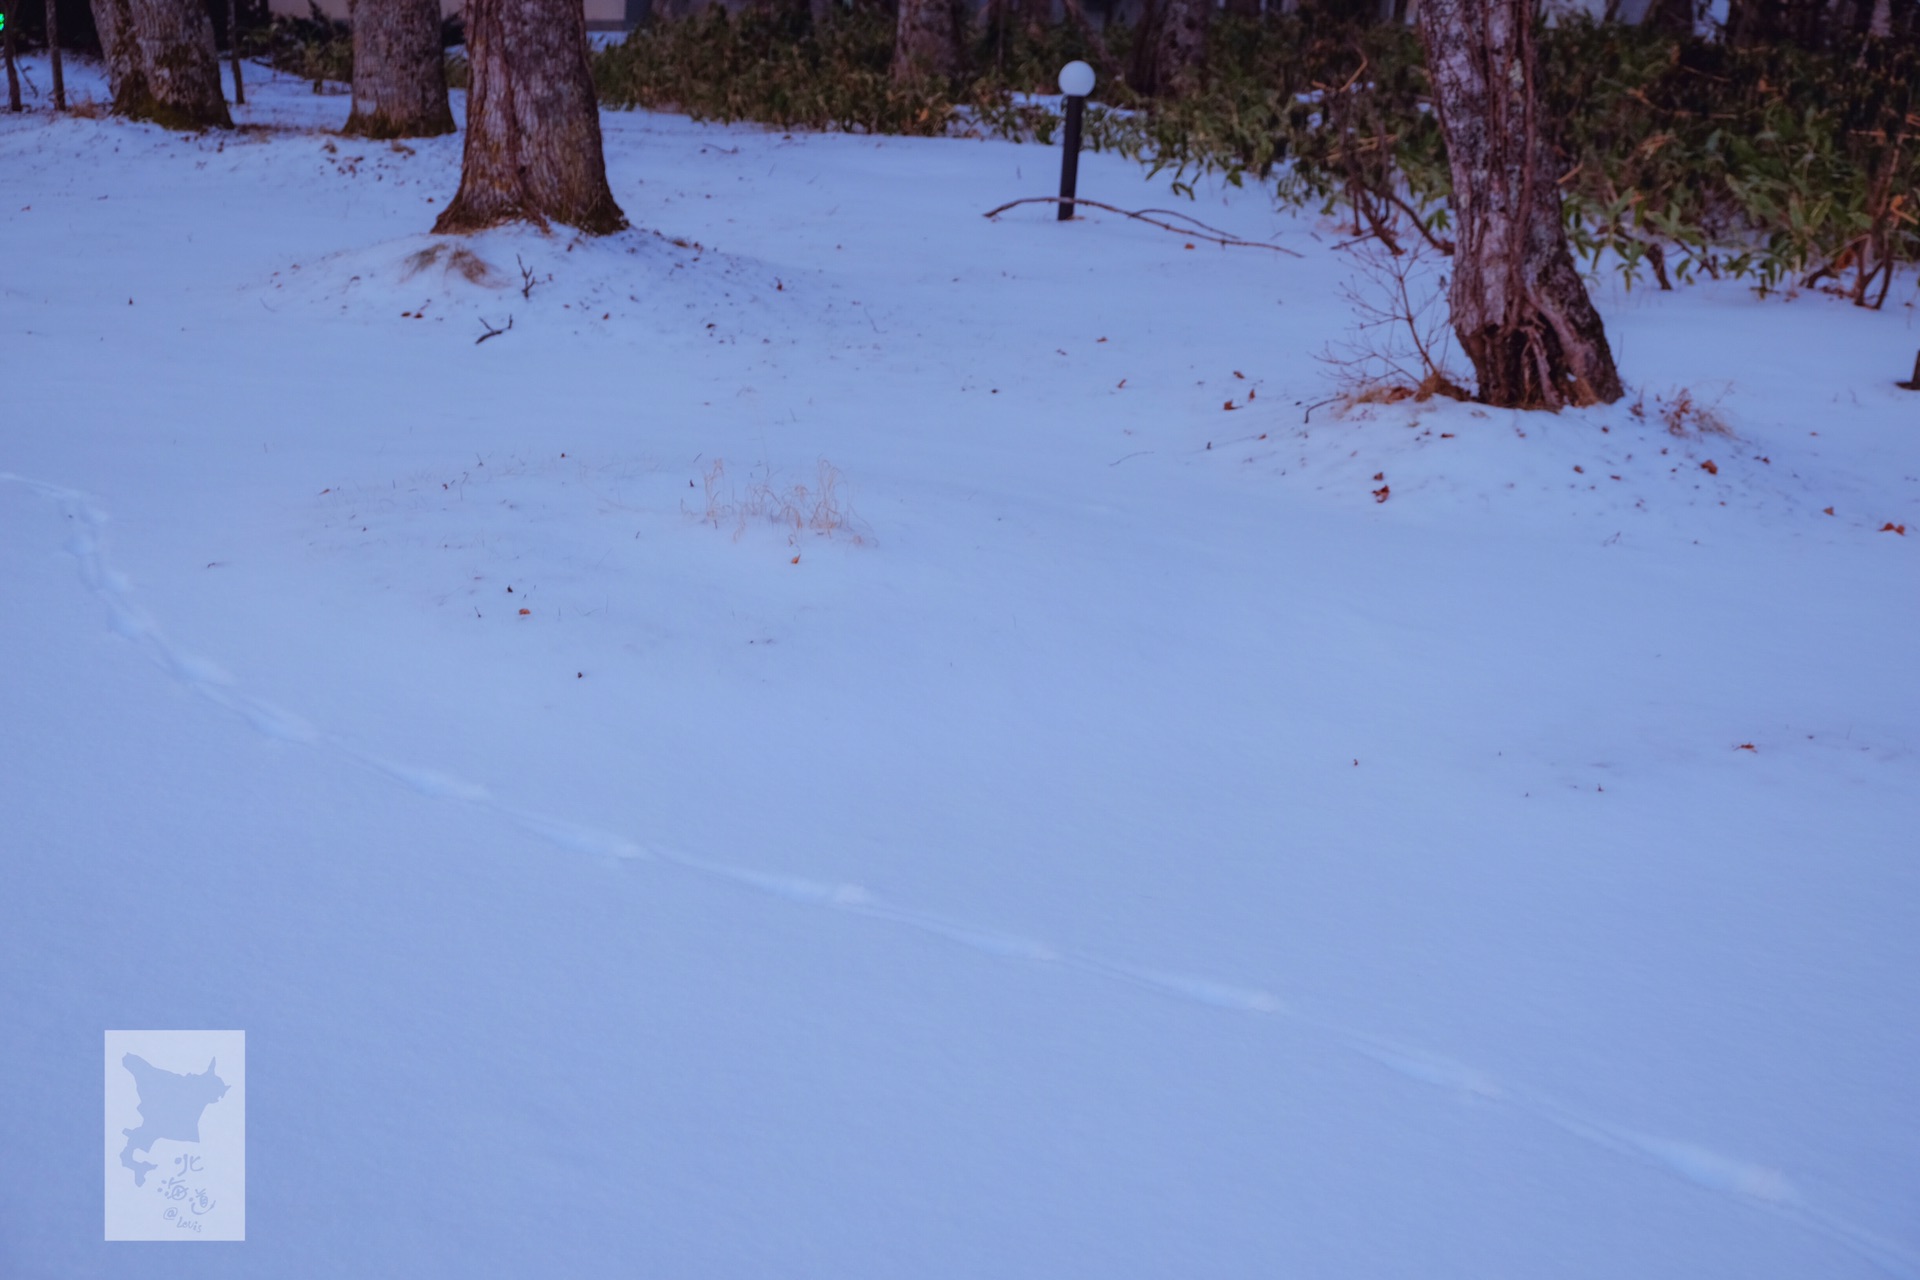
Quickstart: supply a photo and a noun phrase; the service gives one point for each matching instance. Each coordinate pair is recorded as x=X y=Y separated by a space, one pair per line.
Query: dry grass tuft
x=821 y=510
x=1380 y=391
x=455 y=260
x=1682 y=413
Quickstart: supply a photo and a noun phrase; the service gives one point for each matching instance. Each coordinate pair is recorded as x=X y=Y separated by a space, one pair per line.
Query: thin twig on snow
x=1203 y=232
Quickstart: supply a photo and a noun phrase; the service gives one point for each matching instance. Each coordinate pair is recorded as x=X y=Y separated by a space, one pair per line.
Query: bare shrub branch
x=1400 y=345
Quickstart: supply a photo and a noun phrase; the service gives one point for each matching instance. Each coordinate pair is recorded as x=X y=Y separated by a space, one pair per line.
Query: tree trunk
x=1519 y=307
x=6 y=52
x=53 y=54
x=1170 y=51
x=533 y=149
x=233 y=43
x=161 y=62
x=1146 y=38
x=399 y=76
x=126 y=73
x=926 y=43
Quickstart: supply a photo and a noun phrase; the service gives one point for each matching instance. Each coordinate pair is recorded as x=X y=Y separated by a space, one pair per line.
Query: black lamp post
x=1076 y=81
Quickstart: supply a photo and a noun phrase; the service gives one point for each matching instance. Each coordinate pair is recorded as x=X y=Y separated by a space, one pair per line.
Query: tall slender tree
x=399 y=74
x=533 y=151
x=6 y=51
x=161 y=62
x=1519 y=308
x=53 y=56
x=233 y=43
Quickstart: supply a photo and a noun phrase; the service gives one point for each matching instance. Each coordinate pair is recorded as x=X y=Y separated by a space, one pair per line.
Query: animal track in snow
x=1755 y=1185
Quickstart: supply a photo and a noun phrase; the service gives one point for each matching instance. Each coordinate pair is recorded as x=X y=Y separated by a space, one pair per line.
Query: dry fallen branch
x=1199 y=230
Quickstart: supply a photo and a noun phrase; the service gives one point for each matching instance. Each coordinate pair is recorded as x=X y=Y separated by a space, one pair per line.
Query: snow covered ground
x=826 y=748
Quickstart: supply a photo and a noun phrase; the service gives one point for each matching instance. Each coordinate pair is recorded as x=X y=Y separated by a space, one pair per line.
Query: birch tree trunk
x=126 y=74
x=533 y=150
x=1520 y=309
x=399 y=76
x=161 y=62
x=926 y=42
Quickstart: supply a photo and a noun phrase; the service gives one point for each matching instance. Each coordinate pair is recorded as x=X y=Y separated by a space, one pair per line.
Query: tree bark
x=161 y=62
x=233 y=43
x=53 y=55
x=126 y=72
x=533 y=150
x=1520 y=309
x=1170 y=53
x=926 y=43
x=399 y=75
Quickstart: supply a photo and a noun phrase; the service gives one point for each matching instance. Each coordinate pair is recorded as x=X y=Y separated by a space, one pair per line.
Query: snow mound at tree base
x=610 y=286
x=1616 y=468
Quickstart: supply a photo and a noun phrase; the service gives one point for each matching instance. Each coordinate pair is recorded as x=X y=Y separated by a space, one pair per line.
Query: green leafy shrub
x=1684 y=157
x=315 y=47
x=765 y=64
x=1771 y=163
